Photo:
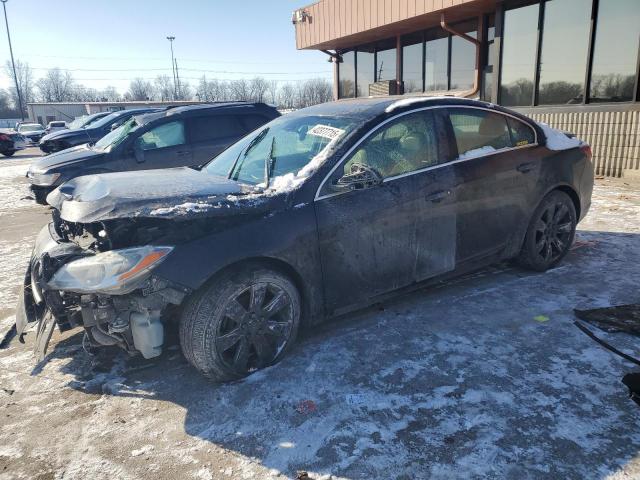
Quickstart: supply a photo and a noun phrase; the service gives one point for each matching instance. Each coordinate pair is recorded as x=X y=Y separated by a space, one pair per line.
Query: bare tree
x=272 y=91
x=184 y=91
x=56 y=86
x=80 y=93
x=140 y=89
x=163 y=87
x=239 y=90
x=312 y=92
x=258 y=87
x=286 y=97
x=24 y=76
x=109 y=94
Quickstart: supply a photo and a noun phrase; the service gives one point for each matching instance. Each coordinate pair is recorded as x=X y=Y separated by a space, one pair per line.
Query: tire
x=225 y=332
x=8 y=153
x=550 y=233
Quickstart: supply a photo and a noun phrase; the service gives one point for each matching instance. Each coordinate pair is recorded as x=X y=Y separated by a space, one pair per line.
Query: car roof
x=199 y=107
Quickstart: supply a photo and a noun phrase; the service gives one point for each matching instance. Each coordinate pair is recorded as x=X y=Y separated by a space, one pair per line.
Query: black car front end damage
x=132 y=320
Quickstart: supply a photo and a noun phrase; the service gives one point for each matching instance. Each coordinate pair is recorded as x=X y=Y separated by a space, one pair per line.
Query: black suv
x=174 y=137
x=62 y=139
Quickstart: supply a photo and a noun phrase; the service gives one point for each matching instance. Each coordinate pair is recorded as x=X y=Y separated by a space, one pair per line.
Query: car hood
x=175 y=193
x=63 y=134
x=32 y=133
x=65 y=157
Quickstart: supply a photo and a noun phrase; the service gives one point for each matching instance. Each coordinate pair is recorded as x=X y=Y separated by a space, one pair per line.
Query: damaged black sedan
x=318 y=212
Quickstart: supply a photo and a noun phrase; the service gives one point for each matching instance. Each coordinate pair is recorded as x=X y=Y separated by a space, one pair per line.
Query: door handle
x=438 y=196
x=525 y=167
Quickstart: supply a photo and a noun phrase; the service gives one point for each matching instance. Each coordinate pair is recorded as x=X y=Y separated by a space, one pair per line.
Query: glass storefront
x=365 y=71
x=347 y=73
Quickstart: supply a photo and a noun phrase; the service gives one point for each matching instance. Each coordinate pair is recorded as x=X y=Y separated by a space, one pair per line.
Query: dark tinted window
x=562 y=69
x=214 y=127
x=463 y=58
x=253 y=121
x=436 y=58
x=615 y=51
x=519 y=55
x=412 y=63
x=521 y=133
x=478 y=132
x=365 y=72
x=347 y=72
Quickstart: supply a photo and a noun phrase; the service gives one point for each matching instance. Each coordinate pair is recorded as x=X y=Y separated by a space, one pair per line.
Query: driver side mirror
x=360 y=177
x=138 y=152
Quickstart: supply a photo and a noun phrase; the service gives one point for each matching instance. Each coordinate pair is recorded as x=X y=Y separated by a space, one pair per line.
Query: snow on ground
x=484 y=376
x=13 y=194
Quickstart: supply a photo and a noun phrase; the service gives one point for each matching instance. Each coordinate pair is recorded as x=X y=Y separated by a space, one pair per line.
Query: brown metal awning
x=343 y=24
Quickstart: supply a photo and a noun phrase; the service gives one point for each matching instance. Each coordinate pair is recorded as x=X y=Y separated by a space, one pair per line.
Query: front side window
x=615 y=51
x=478 y=132
x=405 y=145
x=163 y=136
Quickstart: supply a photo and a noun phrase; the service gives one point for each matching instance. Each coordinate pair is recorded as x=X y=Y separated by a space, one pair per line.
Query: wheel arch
x=571 y=192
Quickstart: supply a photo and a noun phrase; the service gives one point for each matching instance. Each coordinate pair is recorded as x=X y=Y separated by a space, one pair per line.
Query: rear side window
x=521 y=133
x=215 y=127
x=251 y=122
x=478 y=132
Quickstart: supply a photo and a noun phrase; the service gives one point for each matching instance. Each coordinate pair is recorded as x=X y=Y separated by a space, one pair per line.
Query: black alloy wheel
x=550 y=232
x=242 y=321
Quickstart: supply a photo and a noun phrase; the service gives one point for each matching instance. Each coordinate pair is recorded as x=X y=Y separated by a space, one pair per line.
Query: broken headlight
x=115 y=272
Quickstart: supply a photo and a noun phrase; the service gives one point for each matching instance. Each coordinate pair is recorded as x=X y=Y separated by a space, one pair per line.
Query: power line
x=186 y=69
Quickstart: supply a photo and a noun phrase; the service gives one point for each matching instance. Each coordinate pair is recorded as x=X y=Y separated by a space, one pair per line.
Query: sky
x=106 y=43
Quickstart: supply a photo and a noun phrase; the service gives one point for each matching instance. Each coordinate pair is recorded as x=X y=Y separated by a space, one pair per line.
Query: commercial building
x=574 y=64
x=46 y=112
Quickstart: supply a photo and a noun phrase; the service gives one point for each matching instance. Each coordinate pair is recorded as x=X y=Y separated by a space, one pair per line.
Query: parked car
x=91 y=133
x=182 y=136
x=33 y=132
x=85 y=120
x=11 y=141
x=56 y=126
x=318 y=212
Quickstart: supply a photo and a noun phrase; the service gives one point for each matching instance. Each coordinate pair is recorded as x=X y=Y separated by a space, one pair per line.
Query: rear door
x=377 y=239
x=496 y=173
x=210 y=134
x=162 y=146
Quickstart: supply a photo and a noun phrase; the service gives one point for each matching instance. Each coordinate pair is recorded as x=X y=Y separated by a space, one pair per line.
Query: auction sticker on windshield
x=326 y=131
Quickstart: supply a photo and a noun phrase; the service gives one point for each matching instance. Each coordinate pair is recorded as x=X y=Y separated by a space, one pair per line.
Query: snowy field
x=485 y=377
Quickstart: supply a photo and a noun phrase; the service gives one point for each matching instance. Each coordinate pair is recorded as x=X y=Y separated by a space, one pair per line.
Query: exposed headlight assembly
x=42 y=179
x=114 y=273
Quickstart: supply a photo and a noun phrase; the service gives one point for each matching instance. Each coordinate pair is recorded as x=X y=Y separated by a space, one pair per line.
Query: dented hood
x=177 y=193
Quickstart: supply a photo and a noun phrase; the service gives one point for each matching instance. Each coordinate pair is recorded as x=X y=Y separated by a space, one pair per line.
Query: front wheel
x=244 y=320
x=550 y=233
x=8 y=153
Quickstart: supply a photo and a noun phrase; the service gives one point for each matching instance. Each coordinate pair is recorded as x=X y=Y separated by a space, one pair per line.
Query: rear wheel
x=244 y=320
x=8 y=153
x=550 y=233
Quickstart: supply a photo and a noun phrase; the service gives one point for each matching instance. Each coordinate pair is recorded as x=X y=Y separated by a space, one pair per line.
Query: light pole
x=13 y=64
x=173 y=66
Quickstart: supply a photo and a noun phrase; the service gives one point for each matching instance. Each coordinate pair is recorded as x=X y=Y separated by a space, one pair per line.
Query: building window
x=386 y=61
x=412 y=63
x=365 y=71
x=565 y=46
x=347 y=75
x=436 y=59
x=463 y=57
x=520 y=34
x=615 y=52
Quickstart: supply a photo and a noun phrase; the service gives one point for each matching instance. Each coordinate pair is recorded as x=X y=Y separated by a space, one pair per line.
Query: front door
x=379 y=238
x=162 y=146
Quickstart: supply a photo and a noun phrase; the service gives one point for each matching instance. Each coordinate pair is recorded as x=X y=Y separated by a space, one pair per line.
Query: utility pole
x=173 y=67
x=178 y=80
x=13 y=63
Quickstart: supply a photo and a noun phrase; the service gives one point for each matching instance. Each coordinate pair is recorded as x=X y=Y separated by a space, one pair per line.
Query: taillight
x=4 y=138
x=586 y=149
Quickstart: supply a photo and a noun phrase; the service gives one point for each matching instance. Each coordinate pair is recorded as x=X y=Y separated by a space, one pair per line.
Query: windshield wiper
x=233 y=173
x=269 y=162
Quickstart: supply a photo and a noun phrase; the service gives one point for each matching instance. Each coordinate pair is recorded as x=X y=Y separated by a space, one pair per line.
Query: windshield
x=115 y=137
x=33 y=127
x=283 y=146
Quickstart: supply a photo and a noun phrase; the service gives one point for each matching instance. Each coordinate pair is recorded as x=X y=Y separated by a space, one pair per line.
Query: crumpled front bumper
x=37 y=306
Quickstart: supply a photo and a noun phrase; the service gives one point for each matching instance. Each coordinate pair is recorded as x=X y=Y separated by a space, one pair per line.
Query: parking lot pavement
x=484 y=376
